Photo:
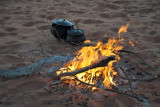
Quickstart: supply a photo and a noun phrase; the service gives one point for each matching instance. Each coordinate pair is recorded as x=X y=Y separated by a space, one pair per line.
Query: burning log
x=102 y=63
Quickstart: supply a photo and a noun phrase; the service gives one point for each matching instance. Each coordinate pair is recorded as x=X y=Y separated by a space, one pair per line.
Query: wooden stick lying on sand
x=31 y=69
x=101 y=63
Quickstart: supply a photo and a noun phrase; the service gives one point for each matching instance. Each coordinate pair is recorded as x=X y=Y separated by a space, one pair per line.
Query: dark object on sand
x=60 y=27
x=75 y=36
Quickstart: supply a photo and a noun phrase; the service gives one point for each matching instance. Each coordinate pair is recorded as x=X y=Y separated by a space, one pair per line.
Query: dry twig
x=141 y=59
x=133 y=95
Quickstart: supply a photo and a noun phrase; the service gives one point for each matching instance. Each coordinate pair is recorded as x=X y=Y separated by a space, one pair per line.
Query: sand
x=19 y=35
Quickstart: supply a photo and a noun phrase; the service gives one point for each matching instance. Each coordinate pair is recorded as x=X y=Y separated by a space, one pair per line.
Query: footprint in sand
x=18 y=12
x=11 y=42
x=122 y=2
x=38 y=0
x=114 y=15
x=24 y=87
x=75 y=12
x=28 y=86
x=106 y=6
x=99 y=34
x=112 y=7
x=105 y=15
x=9 y=48
x=29 y=24
x=64 y=4
x=6 y=18
x=10 y=29
x=156 y=39
x=131 y=10
x=91 y=21
x=77 y=20
x=3 y=34
x=10 y=59
x=50 y=17
x=57 y=15
x=45 y=27
x=119 y=15
x=114 y=29
x=146 y=11
x=152 y=32
x=152 y=39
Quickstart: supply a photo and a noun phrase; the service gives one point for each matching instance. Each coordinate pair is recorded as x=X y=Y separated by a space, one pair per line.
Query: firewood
x=31 y=69
x=102 y=63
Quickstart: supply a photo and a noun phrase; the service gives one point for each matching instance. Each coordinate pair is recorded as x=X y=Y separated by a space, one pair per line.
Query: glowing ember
x=132 y=44
x=88 y=55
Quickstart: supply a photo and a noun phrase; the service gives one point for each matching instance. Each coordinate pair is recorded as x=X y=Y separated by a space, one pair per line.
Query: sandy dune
x=19 y=35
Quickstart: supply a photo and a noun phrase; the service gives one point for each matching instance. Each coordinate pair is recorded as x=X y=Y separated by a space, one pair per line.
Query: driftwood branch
x=31 y=69
x=101 y=63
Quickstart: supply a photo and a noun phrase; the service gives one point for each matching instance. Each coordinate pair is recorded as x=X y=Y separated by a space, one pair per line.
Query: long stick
x=31 y=69
x=101 y=63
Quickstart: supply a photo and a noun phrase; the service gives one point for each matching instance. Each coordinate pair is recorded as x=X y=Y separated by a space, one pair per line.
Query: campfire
x=99 y=66
x=89 y=55
x=106 y=66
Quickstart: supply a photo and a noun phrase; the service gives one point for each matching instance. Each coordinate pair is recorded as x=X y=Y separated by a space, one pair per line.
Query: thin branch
x=142 y=60
x=115 y=91
x=134 y=80
x=144 y=71
x=127 y=77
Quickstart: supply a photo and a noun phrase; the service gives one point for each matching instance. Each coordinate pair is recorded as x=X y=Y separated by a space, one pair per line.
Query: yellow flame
x=123 y=28
x=88 y=55
x=87 y=41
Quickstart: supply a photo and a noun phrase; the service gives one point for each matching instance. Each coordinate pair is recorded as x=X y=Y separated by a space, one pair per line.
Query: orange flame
x=123 y=28
x=132 y=44
x=88 y=55
x=87 y=41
